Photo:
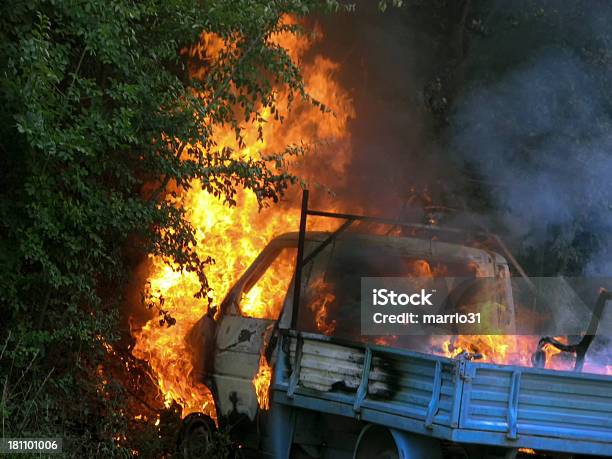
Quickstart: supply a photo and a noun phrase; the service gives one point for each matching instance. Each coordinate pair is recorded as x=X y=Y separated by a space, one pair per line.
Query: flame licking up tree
x=234 y=236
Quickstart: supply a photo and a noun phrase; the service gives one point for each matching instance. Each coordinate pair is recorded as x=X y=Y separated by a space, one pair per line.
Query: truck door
x=250 y=310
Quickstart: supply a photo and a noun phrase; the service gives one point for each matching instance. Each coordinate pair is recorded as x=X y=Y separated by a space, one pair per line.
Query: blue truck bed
x=458 y=400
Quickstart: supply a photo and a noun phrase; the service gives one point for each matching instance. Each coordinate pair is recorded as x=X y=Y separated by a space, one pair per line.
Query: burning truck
x=301 y=381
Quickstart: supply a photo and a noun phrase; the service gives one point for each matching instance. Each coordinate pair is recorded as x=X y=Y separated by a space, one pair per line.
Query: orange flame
x=511 y=350
x=233 y=237
x=261 y=381
x=322 y=298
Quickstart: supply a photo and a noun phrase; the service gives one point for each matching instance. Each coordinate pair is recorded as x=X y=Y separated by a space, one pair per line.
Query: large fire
x=234 y=236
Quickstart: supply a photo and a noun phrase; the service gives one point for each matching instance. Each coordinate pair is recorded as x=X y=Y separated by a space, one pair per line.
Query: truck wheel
x=375 y=442
x=195 y=435
x=383 y=443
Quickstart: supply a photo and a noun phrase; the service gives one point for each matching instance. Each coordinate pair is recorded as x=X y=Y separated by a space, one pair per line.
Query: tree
x=101 y=119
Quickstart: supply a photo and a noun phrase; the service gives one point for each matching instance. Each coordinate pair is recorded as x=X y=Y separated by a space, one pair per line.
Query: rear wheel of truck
x=380 y=442
x=195 y=436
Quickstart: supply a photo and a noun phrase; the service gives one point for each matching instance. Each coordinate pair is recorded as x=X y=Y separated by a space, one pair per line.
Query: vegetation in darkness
x=99 y=118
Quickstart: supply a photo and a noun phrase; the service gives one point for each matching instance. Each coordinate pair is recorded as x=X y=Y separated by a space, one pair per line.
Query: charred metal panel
x=239 y=343
x=326 y=367
x=240 y=334
x=414 y=390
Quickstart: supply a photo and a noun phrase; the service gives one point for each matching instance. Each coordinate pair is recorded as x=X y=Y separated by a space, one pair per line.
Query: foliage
x=101 y=119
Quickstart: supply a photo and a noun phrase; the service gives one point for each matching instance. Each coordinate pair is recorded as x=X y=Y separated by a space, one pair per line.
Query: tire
x=195 y=435
x=379 y=442
x=376 y=442
x=390 y=453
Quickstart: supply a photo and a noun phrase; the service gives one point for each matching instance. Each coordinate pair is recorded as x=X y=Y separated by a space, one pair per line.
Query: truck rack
x=451 y=399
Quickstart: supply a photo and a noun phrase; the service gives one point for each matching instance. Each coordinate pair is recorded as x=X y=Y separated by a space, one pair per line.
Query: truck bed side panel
x=553 y=404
